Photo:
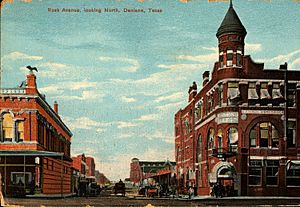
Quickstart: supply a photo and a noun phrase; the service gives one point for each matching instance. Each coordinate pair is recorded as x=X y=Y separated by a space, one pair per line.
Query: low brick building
x=34 y=142
x=242 y=128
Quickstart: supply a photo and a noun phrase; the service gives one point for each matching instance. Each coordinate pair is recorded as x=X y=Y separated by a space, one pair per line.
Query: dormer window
x=238 y=57
x=221 y=59
x=233 y=93
x=229 y=57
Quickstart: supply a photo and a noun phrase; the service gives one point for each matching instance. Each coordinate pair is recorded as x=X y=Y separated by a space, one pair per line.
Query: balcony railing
x=12 y=91
x=223 y=153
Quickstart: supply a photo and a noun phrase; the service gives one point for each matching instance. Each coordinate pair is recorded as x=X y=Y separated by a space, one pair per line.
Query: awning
x=293 y=164
x=264 y=94
x=233 y=93
x=32 y=153
x=252 y=94
x=276 y=94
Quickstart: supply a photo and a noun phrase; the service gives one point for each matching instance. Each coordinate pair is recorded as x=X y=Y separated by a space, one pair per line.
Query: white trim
x=206 y=121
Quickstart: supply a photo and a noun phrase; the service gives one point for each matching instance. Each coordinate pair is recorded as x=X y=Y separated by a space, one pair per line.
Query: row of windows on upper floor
x=12 y=130
x=262 y=94
x=230 y=57
x=262 y=135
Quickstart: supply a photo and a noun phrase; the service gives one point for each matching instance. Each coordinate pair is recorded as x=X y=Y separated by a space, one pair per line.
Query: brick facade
x=232 y=130
x=30 y=127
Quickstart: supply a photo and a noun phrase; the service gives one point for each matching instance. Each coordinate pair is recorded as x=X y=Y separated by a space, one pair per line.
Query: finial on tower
x=230 y=3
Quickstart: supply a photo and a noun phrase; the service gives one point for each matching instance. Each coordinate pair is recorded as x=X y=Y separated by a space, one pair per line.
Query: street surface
x=136 y=202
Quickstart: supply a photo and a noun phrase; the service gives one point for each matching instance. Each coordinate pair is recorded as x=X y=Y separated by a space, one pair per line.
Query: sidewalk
x=240 y=198
x=51 y=196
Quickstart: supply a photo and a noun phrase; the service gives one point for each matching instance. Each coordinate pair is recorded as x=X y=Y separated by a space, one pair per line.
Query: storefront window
x=272 y=172
x=255 y=172
x=291 y=134
x=293 y=173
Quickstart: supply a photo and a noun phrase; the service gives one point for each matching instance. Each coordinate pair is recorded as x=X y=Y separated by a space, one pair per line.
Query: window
x=252 y=94
x=264 y=94
x=199 y=149
x=20 y=131
x=220 y=144
x=239 y=57
x=233 y=93
x=264 y=134
x=291 y=134
x=291 y=94
x=221 y=59
x=233 y=138
x=211 y=135
x=276 y=94
x=198 y=111
x=264 y=130
x=274 y=137
x=229 y=57
x=21 y=178
x=220 y=95
x=272 y=172
x=255 y=172
x=293 y=173
x=253 y=138
x=7 y=127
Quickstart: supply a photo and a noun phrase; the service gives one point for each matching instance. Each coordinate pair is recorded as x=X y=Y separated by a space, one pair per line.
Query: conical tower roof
x=231 y=23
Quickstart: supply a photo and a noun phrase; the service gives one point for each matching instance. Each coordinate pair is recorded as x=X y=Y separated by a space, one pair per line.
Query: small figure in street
x=191 y=192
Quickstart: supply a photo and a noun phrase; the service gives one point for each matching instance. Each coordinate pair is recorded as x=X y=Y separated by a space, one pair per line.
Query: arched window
x=233 y=138
x=7 y=128
x=211 y=135
x=199 y=149
x=264 y=134
x=20 y=131
x=220 y=140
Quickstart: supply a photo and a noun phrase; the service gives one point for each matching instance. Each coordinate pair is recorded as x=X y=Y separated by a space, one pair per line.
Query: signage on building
x=227 y=118
x=262 y=112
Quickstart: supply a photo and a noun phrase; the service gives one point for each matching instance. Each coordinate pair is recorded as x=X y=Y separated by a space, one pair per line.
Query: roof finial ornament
x=230 y=4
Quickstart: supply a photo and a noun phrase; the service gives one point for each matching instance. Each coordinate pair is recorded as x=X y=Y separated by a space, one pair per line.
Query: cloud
x=85 y=123
x=21 y=56
x=280 y=59
x=252 y=48
x=212 y=57
x=134 y=64
x=181 y=66
x=59 y=71
x=170 y=106
x=295 y=64
x=51 y=89
x=85 y=95
x=149 y=117
x=63 y=86
x=174 y=96
x=126 y=99
x=124 y=124
x=214 y=49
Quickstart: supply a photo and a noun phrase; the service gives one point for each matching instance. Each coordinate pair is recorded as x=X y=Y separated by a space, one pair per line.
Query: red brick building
x=34 y=142
x=91 y=167
x=140 y=170
x=238 y=129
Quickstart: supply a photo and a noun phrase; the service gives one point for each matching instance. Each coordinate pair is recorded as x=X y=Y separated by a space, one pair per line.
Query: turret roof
x=231 y=23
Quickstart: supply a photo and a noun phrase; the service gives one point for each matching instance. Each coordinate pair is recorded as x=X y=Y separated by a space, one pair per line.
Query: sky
x=120 y=77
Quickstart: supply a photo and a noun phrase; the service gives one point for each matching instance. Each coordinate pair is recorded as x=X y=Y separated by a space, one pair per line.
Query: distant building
x=91 y=166
x=242 y=128
x=140 y=170
x=34 y=142
x=101 y=179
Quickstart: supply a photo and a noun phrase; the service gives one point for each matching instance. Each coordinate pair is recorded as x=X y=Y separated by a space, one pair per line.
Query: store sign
x=227 y=118
x=263 y=112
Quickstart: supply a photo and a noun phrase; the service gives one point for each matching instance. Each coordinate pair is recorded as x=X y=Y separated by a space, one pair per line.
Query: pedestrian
x=191 y=192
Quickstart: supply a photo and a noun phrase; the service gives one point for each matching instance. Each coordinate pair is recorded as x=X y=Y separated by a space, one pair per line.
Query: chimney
x=31 y=84
x=55 y=107
x=205 y=77
x=192 y=91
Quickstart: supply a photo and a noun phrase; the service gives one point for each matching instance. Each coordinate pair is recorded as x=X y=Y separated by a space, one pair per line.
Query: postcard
x=176 y=99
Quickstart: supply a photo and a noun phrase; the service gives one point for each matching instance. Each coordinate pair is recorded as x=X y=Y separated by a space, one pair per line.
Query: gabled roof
x=231 y=23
